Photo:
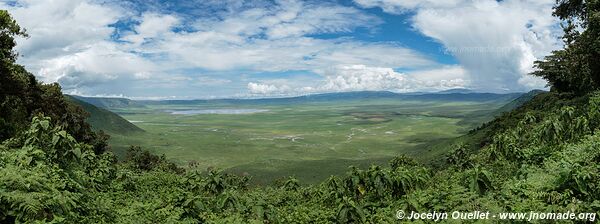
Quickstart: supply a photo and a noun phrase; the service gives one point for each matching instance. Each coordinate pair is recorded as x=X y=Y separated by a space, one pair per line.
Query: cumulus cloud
x=69 y=43
x=267 y=89
x=152 y=25
x=97 y=63
x=346 y=78
x=447 y=77
x=61 y=27
x=495 y=41
x=361 y=77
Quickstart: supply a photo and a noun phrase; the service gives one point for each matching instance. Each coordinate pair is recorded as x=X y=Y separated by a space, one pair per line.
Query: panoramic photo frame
x=299 y=111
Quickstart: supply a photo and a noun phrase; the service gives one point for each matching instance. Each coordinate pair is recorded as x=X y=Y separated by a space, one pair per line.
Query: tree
x=576 y=68
x=22 y=97
x=8 y=30
x=12 y=81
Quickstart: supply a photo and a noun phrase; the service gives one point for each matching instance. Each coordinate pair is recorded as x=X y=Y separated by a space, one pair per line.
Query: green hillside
x=503 y=118
x=102 y=119
x=518 y=102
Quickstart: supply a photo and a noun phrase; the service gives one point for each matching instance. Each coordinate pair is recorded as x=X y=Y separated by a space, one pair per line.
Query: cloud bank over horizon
x=212 y=49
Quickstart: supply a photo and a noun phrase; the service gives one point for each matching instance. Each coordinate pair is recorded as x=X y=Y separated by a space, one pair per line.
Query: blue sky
x=156 y=49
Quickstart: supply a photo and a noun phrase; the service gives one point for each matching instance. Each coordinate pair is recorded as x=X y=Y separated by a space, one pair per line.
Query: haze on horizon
x=160 y=49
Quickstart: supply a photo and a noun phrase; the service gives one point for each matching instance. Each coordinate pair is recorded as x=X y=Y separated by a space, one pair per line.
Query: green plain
x=310 y=140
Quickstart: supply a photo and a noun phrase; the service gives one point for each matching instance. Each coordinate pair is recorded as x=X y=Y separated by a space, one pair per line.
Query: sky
x=202 y=49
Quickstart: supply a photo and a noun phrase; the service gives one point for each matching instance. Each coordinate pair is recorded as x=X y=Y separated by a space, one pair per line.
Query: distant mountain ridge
x=107 y=102
x=457 y=90
x=448 y=95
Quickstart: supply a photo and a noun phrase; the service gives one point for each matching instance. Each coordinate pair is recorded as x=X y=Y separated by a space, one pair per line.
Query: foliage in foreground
x=548 y=162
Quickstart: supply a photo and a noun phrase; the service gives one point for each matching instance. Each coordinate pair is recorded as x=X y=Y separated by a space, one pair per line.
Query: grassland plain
x=308 y=140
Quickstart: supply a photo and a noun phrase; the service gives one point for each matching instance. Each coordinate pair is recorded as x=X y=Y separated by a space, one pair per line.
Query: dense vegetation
x=543 y=156
x=23 y=97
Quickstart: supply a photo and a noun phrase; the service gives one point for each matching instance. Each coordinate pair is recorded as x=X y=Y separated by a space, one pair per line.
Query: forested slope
x=518 y=102
x=102 y=119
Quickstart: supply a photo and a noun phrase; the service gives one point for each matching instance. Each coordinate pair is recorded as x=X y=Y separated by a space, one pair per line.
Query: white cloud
x=152 y=26
x=289 y=18
x=61 y=27
x=275 y=39
x=532 y=82
x=447 y=77
x=362 y=78
x=297 y=20
x=267 y=89
x=210 y=81
x=72 y=42
x=346 y=78
x=402 y=6
x=97 y=63
x=495 y=41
